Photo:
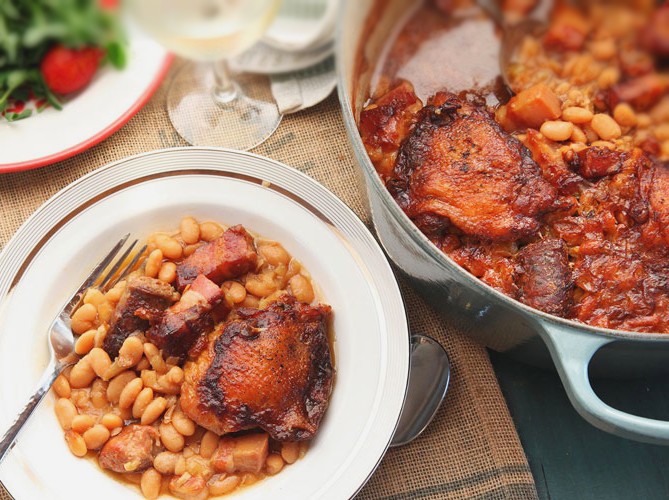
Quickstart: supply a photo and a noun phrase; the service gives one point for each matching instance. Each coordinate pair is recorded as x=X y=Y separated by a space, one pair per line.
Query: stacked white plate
x=301 y=36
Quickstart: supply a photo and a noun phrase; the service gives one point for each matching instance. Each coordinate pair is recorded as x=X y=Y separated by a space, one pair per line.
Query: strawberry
x=109 y=4
x=68 y=70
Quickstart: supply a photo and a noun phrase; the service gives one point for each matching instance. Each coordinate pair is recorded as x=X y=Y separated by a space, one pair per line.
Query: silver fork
x=61 y=340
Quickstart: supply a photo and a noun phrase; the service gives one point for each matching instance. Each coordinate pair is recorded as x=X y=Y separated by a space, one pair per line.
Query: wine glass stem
x=224 y=90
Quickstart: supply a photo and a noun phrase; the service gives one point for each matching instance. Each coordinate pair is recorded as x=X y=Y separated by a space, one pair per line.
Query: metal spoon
x=429 y=374
x=514 y=31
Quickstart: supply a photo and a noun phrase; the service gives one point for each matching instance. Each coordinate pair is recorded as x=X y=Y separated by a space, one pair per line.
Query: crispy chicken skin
x=269 y=368
x=143 y=301
x=184 y=326
x=230 y=255
x=458 y=167
x=544 y=278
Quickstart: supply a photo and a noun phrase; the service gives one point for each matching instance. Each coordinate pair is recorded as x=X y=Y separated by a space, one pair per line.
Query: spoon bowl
x=429 y=376
x=514 y=30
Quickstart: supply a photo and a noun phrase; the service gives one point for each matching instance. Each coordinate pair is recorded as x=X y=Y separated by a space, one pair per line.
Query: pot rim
x=344 y=91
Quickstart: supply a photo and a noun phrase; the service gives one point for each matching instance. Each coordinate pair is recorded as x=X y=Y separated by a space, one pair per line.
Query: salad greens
x=29 y=28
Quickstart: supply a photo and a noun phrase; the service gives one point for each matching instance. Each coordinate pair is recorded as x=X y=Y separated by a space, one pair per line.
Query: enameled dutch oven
x=497 y=321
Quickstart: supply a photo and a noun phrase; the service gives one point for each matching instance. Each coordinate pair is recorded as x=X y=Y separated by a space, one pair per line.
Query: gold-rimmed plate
x=56 y=247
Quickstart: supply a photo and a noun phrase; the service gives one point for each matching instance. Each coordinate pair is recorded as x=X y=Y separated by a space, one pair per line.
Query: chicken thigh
x=269 y=368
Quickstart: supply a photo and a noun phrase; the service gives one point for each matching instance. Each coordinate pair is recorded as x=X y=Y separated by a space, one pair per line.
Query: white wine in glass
x=206 y=105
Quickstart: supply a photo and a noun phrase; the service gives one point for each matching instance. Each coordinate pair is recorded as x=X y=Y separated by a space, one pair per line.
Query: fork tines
x=117 y=272
x=120 y=268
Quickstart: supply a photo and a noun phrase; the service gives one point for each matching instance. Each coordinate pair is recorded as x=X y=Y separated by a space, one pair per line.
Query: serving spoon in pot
x=429 y=375
x=514 y=31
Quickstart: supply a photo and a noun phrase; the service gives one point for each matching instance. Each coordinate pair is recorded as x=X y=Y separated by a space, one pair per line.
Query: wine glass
x=206 y=105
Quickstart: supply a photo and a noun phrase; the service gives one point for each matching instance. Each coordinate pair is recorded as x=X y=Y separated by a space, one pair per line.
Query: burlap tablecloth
x=471 y=449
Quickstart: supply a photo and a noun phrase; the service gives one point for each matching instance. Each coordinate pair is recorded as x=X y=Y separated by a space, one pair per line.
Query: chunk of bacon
x=641 y=92
x=568 y=29
x=386 y=123
x=245 y=453
x=533 y=106
x=183 y=327
x=230 y=255
x=143 y=301
x=656 y=35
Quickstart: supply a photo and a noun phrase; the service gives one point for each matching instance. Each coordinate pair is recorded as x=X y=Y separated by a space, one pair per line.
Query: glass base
x=202 y=120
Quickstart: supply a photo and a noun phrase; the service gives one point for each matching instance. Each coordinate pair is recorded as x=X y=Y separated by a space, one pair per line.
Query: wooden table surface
x=569 y=458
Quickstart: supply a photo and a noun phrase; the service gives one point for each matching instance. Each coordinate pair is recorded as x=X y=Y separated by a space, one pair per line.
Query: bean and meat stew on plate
x=206 y=369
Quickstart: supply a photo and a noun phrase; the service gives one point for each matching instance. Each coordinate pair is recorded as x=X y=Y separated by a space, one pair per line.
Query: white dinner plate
x=56 y=248
x=92 y=115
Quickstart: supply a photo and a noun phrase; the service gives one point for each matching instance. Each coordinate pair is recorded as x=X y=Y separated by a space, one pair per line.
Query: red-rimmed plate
x=103 y=107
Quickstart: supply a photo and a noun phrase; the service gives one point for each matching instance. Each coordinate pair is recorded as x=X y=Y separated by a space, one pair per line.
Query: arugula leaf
x=12 y=81
x=116 y=54
x=12 y=117
x=44 y=91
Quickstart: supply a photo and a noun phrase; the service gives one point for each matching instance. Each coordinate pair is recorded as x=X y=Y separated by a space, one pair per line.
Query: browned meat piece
x=491 y=262
x=143 y=301
x=460 y=166
x=269 y=368
x=184 y=325
x=625 y=195
x=623 y=291
x=656 y=35
x=635 y=62
x=597 y=162
x=620 y=265
x=552 y=163
x=246 y=453
x=448 y=7
x=228 y=256
x=518 y=8
x=531 y=108
x=132 y=450
x=659 y=200
x=544 y=277
x=642 y=92
x=568 y=29
x=385 y=124
x=650 y=146
x=640 y=192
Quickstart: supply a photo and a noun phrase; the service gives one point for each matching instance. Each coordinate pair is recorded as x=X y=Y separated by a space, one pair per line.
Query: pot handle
x=572 y=351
